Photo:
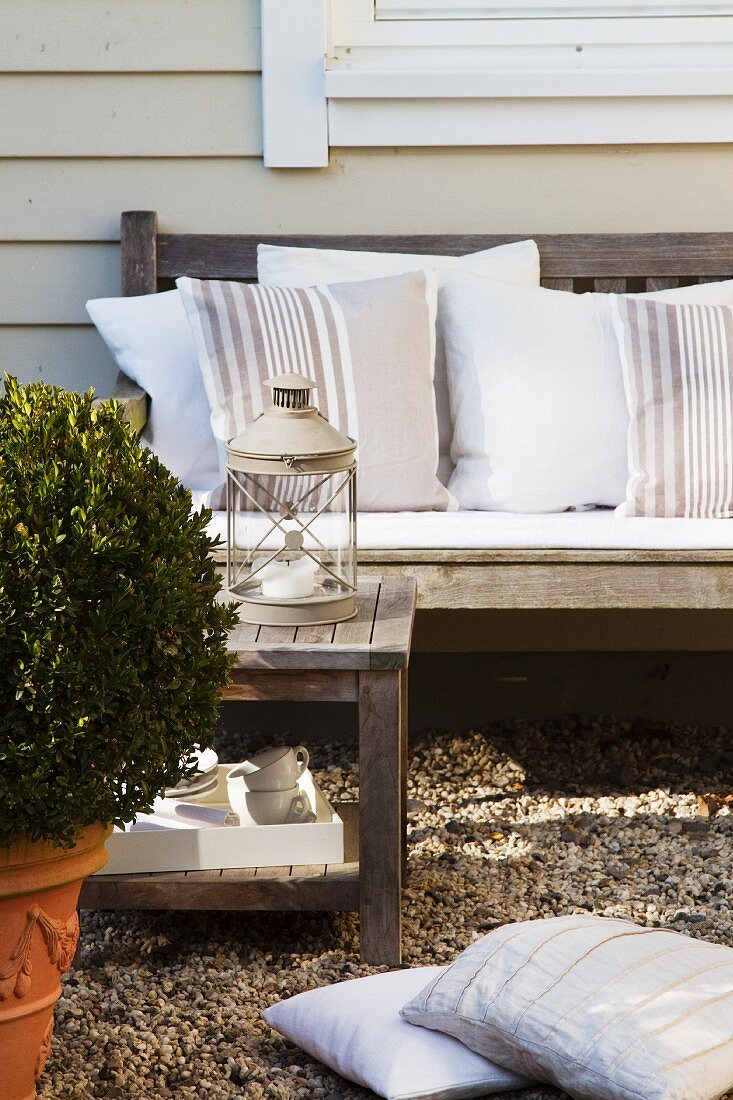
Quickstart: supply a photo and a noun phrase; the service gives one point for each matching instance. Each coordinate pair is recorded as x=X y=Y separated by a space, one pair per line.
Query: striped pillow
x=368 y=346
x=601 y=1008
x=678 y=375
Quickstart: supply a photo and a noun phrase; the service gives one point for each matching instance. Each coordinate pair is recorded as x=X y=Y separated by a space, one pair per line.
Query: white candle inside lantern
x=288 y=580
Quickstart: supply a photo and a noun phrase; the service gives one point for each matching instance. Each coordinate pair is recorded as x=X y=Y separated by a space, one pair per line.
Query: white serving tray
x=132 y=851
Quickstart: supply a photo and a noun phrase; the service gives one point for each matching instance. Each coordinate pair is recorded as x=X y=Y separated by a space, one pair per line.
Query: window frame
x=334 y=74
x=537 y=9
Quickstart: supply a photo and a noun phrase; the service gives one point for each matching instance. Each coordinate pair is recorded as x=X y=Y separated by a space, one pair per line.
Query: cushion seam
x=541 y=1047
x=463 y=1085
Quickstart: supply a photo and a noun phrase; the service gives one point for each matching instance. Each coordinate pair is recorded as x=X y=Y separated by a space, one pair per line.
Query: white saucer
x=201 y=780
x=198 y=785
x=204 y=787
x=207 y=761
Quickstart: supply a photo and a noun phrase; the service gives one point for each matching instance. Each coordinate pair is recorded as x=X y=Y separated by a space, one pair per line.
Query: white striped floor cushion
x=368 y=346
x=678 y=376
x=602 y=1008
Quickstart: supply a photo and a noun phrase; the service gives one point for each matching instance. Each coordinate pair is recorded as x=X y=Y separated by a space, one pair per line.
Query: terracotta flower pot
x=39 y=931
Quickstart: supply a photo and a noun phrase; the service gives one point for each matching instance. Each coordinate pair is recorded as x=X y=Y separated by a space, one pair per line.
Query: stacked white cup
x=263 y=790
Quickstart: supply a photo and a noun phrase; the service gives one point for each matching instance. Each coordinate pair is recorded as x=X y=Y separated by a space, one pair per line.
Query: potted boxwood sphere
x=112 y=658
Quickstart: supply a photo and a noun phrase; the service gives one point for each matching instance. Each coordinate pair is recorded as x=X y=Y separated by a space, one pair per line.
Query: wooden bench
x=487 y=579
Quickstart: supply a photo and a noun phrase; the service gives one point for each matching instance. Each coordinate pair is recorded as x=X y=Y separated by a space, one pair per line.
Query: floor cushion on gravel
x=604 y=1008
x=355 y=1028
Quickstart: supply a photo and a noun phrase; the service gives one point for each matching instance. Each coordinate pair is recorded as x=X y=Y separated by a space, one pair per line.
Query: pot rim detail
x=27 y=866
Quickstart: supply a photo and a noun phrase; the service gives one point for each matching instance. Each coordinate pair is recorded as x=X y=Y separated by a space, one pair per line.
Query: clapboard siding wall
x=130 y=115
x=130 y=36
x=155 y=104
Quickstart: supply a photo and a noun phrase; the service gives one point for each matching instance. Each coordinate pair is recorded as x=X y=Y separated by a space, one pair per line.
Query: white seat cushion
x=601 y=529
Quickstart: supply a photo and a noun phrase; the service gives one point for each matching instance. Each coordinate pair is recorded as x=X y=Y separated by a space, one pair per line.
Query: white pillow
x=282 y=265
x=355 y=1029
x=601 y=1008
x=298 y=267
x=537 y=397
x=151 y=341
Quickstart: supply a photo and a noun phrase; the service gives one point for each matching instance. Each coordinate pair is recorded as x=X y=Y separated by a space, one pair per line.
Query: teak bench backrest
x=619 y=262
x=487 y=579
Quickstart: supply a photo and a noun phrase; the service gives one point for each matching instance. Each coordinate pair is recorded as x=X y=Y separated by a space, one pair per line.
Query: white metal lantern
x=291 y=513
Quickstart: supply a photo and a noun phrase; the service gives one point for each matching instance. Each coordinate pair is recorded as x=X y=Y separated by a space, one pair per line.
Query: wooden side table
x=365 y=661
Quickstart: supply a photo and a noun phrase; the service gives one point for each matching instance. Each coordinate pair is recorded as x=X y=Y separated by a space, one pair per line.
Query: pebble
x=519 y=820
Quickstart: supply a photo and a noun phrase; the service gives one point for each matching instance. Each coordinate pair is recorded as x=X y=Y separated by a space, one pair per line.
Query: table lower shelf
x=324 y=887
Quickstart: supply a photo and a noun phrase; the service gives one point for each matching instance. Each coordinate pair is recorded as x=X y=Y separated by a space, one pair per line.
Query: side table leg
x=403 y=767
x=381 y=807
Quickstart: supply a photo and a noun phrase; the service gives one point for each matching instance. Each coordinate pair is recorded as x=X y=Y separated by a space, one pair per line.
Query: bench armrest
x=132 y=398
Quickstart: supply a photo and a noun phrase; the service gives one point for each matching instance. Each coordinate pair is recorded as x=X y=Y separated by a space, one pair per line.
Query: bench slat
x=564 y=255
x=635 y=585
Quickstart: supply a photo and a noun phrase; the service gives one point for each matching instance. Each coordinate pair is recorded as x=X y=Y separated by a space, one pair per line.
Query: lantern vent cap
x=291 y=426
x=291 y=391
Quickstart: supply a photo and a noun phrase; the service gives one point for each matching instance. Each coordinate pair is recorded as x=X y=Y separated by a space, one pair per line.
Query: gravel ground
x=518 y=820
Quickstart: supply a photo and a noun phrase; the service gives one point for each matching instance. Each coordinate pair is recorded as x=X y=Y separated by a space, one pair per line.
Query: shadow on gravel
x=583 y=756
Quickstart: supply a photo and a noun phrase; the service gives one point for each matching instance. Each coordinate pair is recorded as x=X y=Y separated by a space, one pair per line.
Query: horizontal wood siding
x=73 y=356
x=49 y=283
x=93 y=96
x=119 y=115
x=130 y=36
x=375 y=191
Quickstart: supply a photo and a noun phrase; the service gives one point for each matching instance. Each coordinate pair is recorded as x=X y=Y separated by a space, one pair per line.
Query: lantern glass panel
x=292 y=541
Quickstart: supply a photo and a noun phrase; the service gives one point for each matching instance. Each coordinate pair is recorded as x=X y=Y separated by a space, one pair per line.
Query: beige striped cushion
x=370 y=348
x=678 y=375
x=602 y=1008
